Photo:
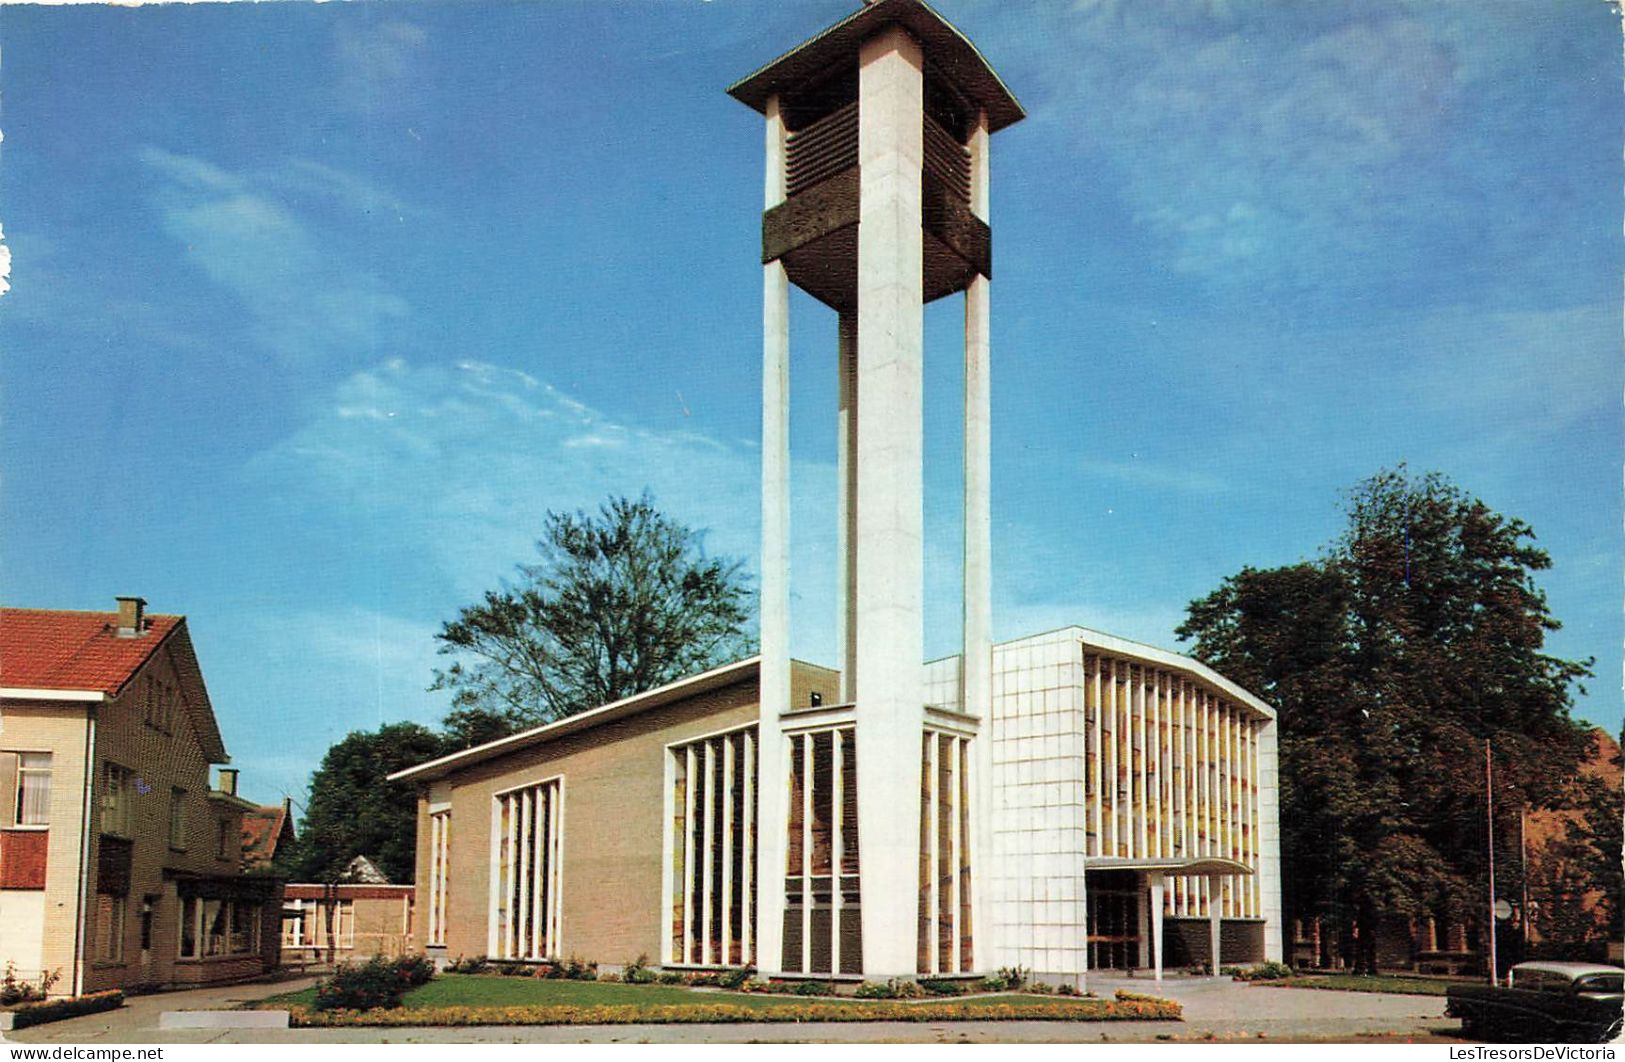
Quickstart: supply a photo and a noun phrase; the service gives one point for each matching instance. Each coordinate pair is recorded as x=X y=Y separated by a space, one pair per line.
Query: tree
x=1391 y=660
x=353 y=811
x=621 y=602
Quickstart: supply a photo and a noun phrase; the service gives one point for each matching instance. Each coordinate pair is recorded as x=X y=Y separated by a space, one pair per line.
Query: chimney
x=228 y=781
x=130 y=616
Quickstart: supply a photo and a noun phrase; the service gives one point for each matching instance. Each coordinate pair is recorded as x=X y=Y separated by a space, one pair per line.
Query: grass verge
x=1407 y=986
x=462 y=1000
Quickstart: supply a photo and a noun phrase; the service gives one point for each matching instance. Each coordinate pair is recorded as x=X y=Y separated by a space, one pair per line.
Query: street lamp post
x=1489 y=809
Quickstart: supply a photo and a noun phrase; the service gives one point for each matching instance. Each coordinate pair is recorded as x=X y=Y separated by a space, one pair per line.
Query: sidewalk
x=137 y=1021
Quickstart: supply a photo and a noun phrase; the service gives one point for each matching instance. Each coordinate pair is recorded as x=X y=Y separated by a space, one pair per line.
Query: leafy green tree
x=353 y=811
x=622 y=601
x=1391 y=660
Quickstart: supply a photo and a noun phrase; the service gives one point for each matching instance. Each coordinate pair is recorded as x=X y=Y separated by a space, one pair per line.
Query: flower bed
x=1142 y=1008
x=58 y=1009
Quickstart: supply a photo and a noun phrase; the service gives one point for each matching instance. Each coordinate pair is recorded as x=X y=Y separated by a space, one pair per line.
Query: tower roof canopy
x=946 y=50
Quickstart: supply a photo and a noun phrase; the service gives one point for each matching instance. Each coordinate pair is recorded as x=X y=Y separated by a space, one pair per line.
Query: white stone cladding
x=1177 y=798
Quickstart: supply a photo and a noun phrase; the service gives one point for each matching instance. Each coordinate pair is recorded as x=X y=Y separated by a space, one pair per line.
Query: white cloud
x=303 y=300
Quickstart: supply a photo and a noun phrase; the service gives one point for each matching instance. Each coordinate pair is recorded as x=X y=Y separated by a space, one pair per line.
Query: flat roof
x=945 y=48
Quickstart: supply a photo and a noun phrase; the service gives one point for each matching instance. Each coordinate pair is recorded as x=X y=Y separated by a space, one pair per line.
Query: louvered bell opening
x=823 y=149
x=947 y=160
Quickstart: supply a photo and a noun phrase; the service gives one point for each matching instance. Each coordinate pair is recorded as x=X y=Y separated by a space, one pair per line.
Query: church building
x=1063 y=802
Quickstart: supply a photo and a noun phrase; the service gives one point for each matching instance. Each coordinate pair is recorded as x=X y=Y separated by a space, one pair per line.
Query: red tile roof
x=262 y=830
x=55 y=650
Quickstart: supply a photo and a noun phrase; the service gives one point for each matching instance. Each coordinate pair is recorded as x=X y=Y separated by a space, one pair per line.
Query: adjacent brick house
x=120 y=865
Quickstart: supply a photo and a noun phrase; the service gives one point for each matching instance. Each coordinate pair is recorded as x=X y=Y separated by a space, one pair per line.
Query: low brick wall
x=1185 y=942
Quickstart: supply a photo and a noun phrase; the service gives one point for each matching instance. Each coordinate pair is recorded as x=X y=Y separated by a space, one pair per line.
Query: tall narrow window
x=944 y=944
x=34 y=789
x=117 y=795
x=529 y=871
x=713 y=850
x=110 y=914
x=177 y=819
x=822 y=899
x=439 y=865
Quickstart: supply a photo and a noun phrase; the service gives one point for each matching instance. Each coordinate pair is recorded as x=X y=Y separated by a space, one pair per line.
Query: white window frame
x=546 y=939
x=24 y=772
x=740 y=818
x=439 y=872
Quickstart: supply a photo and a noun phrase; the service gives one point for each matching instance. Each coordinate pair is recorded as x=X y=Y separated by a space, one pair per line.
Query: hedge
x=1134 y=1009
x=72 y=1007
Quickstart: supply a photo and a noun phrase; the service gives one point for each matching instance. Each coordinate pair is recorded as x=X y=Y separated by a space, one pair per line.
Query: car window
x=1529 y=980
x=1605 y=983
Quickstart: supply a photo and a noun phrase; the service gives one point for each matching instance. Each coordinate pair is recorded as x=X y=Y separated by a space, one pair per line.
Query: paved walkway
x=1214 y=1010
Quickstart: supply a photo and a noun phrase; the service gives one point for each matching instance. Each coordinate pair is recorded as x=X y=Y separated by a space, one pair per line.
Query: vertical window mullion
x=837 y=814
x=956 y=847
x=806 y=851
x=934 y=873
x=1097 y=798
x=709 y=855
x=690 y=803
x=727 y=849
x=747 y=922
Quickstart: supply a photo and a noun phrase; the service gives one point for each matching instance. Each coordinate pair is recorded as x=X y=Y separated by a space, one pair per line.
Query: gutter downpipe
x=84 y=855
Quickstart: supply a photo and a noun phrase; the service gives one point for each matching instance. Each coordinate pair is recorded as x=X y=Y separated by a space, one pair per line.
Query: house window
x=213 y=928
x=713 y=846
x=222 y=843
x=177 y=819
x=118 y=784
x=528 y=871
x=34 y=789
x=147 y=905
x=110 y=911
x=439 y=876
x=189 y=916
x=162 y=701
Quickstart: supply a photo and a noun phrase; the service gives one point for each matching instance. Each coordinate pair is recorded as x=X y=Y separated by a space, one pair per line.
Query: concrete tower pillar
x=846 y=504
x=775 y=585
x=889 y=614
x=978 y=604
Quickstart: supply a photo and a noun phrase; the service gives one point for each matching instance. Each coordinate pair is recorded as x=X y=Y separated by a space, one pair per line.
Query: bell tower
x=873 y=812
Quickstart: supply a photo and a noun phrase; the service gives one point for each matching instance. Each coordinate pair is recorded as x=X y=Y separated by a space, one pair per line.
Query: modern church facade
x=1061 y=802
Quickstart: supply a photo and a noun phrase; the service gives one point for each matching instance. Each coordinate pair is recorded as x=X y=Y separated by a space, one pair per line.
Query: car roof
x=1569 y=969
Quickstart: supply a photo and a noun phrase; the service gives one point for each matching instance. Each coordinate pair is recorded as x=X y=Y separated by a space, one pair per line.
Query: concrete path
x=1214 y=1010
x=137 y=1021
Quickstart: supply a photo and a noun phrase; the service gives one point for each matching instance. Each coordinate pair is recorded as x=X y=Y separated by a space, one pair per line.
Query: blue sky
x=316 y=310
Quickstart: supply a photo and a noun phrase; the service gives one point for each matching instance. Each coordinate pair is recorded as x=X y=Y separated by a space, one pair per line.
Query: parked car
x=1553 y=1002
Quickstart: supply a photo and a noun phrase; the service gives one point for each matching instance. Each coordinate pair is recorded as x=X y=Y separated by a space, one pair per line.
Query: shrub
x=574 y=969
x=419 y=969
x=813 y=988
x=58 y=1009
x=14 y=989
x=736 y=978
x=379 y=982
x=937 y=986
x=1040 y=988
x=1007 y=979
x=476 y=965
x=515 y=969
x=668 y=978
x=637 y=971
x=1265 y=971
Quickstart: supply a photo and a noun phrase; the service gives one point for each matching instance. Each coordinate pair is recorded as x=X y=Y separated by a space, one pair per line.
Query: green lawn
x=464 y=990
x=1412 y=986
